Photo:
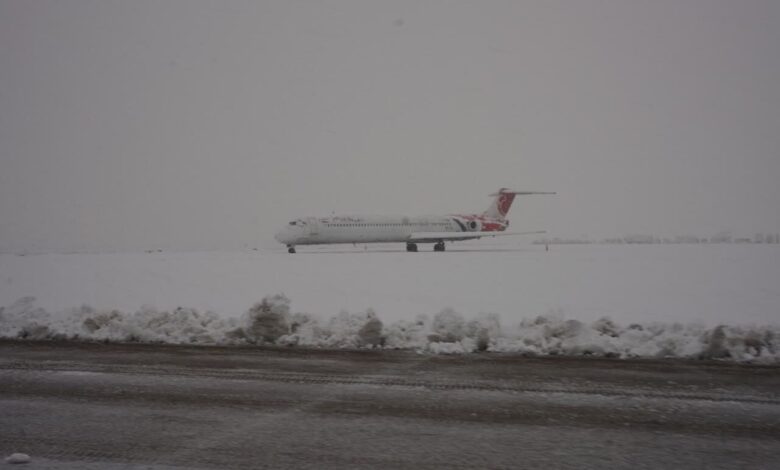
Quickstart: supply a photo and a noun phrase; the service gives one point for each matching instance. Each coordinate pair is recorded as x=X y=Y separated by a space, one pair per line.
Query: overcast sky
x=189 y=124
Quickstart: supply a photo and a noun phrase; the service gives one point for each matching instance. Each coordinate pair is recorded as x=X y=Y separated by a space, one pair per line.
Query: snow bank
x=18 y=458
x=272 y=321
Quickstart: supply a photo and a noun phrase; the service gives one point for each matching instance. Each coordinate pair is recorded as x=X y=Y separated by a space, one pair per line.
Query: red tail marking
x=504 y=203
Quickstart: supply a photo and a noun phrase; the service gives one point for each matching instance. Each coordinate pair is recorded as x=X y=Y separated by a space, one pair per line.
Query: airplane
x=401 y=229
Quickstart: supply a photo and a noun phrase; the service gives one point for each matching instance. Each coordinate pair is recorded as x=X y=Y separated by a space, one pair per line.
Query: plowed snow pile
x=272 y=322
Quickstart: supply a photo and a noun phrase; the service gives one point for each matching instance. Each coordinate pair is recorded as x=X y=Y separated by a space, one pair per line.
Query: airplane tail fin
x=499 y=208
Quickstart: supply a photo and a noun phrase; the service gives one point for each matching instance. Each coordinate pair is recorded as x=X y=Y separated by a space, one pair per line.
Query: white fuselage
x=363 y=229
x=436 y=229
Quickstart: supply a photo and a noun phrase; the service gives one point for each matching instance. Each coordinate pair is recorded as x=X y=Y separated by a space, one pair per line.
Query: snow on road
x=152 y=406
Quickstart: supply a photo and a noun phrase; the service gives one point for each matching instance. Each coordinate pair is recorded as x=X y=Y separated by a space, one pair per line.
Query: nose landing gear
x=438 y=246
x=290 y=249
x=411 y=247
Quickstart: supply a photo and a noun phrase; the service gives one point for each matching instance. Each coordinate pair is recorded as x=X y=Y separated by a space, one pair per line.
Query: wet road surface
x=71 y=405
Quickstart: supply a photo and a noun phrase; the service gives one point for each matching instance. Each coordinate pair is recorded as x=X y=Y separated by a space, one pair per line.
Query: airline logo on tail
x=504 y=203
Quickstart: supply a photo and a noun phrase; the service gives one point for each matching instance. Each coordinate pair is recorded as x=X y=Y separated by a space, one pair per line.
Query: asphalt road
x=71 y=405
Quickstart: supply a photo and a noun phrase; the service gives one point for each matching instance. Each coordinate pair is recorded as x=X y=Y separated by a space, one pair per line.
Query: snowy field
x=645 y=300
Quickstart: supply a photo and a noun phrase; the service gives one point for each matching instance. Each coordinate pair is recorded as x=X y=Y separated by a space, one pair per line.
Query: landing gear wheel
x=438 y=246
x=411 y=247
x=291 y=249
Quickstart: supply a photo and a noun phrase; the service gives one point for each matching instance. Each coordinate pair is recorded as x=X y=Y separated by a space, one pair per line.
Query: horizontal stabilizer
x=432 y=237
x=520 y=193
x=499 y=208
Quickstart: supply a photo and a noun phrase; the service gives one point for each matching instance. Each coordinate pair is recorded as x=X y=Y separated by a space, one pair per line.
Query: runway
x=79 y=405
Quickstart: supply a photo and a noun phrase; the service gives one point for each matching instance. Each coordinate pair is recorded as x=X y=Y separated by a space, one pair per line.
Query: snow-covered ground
x=504 y=287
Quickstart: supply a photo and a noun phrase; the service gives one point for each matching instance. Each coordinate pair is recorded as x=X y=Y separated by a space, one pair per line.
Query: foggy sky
x=131 y=125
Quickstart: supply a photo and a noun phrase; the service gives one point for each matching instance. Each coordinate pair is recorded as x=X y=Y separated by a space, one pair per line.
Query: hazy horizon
x=206 y=125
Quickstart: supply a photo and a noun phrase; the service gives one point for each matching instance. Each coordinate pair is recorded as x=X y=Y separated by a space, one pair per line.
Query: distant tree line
x=643 y=239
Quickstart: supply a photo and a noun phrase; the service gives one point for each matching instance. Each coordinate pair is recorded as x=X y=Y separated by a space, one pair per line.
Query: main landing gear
x=290 y=249
x=436 y=247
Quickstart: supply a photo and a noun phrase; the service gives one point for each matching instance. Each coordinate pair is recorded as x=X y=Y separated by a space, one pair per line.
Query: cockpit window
x=292 y=223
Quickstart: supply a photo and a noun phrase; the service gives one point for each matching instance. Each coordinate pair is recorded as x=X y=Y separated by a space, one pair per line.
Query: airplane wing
x=422 y=237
